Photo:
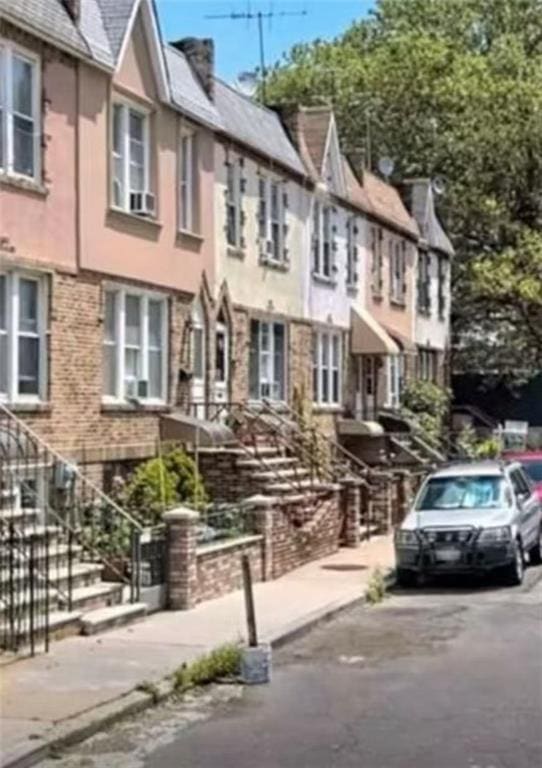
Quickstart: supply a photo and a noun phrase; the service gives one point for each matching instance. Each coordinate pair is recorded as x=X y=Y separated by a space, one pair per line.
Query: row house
x=106 y=226
x=166 y=243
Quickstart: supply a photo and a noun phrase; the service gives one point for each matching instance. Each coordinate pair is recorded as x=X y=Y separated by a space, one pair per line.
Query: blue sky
x=237 y=47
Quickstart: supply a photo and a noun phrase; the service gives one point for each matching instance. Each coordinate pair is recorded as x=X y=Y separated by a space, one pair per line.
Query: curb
x=87 y=724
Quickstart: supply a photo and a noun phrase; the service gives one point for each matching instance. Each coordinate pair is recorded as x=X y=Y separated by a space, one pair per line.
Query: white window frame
x=271 y=250
x=269 y=354
x=188 y=180
x=326 y=367
x=397 y=270
x=394 y=387
x=122 y=292
x=377 y=265
x=352 y=252
x=234 y=199
x=13 y=334
x=322 y=237
x=129 y=106
x=9 y=50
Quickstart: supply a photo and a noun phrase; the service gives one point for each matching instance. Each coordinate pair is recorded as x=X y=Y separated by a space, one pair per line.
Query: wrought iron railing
x=56 y=529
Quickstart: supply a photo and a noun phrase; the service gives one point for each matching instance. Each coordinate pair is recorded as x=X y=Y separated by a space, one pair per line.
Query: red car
x=532 y=464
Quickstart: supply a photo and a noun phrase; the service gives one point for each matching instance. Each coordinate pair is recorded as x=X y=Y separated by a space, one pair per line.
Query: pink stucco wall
x=40 y=223
x=399 y=318
x=128 y=246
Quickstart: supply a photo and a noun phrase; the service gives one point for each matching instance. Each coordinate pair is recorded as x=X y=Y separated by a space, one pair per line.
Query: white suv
x=481 y=516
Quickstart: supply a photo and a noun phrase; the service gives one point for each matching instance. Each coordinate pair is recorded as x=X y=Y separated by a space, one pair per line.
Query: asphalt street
x=449 y=676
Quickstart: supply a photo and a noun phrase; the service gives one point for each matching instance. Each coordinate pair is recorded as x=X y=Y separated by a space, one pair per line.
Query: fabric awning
x=369 y=337
x=178 y=426
x=405 y=344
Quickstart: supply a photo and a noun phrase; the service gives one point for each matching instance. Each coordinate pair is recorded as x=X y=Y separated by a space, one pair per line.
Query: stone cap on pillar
x=261 y=501
x=180 y=514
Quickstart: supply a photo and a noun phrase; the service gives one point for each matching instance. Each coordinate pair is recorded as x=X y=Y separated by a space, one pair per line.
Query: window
x=323 y=244
x=395 y=380
x=131 y=151
x=22 y=337
x=134 y=346
x=467 y=492
x=235 y=219
x=520 y=484
x=272 y=228
x=19 y=112
x=427 y=364
x=188 y=182
x=442 y=288
x=326 y=349
x=424 y=282
x=397 y=252
x=267 y=360
x=352 y=252
x=377 y=281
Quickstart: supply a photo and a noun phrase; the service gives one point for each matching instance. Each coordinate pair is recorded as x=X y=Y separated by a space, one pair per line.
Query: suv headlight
x=406 y=538
x=499 y=534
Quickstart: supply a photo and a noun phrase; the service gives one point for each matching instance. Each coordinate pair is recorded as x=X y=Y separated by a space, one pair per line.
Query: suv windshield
x=466 y=492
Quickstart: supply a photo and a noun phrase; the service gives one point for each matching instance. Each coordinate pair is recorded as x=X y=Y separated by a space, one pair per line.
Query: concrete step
x=278 y=474
x=275 y=461
x=18 y=516
x=99 y=595
x=277 y=489
x=23 y=534
x=265 y=451
x=114 y=616
x=60 y=624
x=82 y=574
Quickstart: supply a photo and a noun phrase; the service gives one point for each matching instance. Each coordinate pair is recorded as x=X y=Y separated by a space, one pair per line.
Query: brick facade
x=74 y=420
x=219 y=567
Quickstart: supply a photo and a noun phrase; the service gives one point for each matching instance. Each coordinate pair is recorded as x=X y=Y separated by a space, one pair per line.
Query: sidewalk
x=41 y=698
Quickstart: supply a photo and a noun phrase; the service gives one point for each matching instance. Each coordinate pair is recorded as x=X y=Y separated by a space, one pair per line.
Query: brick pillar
x=182 y=574
x=351 y=500
x=262 y=509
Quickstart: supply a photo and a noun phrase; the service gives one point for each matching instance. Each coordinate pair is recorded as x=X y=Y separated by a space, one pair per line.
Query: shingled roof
x=256 y=126
x=420 y=198
x=385 y=202
x=187 y=92
x=46 y=18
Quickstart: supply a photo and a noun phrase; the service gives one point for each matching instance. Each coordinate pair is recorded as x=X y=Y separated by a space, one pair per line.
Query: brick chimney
x=74 y=8
x=201 y=57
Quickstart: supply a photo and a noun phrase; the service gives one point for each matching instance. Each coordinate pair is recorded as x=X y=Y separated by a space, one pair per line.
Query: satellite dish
x=247 y=83
x=439 y=185
x=386 y=166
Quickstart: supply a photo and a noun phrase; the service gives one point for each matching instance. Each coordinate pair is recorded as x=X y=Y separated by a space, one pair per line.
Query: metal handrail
x=73 y=467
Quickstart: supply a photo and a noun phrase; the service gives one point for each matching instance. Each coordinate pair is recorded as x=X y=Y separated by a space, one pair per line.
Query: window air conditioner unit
x=142 y=203
x=137 y=389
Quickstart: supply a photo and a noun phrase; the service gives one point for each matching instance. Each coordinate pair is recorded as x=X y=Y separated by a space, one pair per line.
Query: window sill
x=424 y=312
x=377 y=296
x=189 y=236
x=326 y=408
x=400 y=303
x=279 y=266
x=124 y=407
x=147 y=221
x=21 y=406
x=24 y=184
x=236 y=253
x=330 y=282
x=352 y=289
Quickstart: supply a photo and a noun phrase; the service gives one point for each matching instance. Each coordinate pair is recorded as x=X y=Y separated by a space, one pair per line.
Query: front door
x=366 y=387
x=222 y=351
x=197 y=394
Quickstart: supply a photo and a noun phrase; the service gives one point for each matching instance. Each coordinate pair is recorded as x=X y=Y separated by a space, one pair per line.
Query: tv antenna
x=386 y=166
x=250 y=15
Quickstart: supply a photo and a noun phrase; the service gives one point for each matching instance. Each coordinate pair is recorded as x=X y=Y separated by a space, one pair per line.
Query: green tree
x=452 y=88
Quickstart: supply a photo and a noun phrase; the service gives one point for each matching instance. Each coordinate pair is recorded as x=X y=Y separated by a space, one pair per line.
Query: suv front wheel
x=535 y=554
x=514 y=572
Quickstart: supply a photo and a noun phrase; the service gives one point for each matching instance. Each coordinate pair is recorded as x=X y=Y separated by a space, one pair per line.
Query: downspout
x=77 y=184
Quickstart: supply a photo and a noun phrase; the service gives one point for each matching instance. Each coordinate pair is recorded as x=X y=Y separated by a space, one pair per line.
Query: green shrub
x=189 y=484
x=426 y=405
x=470 y=445
x=162 y=483
x=223 y=662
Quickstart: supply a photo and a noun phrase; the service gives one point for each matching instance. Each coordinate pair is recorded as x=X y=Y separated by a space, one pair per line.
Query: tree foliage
x=452 y=88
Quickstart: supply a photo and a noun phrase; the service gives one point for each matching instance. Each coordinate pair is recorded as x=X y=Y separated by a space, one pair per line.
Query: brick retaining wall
x=219 y=566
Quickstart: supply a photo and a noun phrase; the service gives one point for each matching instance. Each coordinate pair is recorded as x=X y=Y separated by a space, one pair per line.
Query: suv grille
x=447 y=535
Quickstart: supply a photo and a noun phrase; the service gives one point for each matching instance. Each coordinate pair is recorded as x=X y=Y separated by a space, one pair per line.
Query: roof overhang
x=369 y=337
x=182 y=428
